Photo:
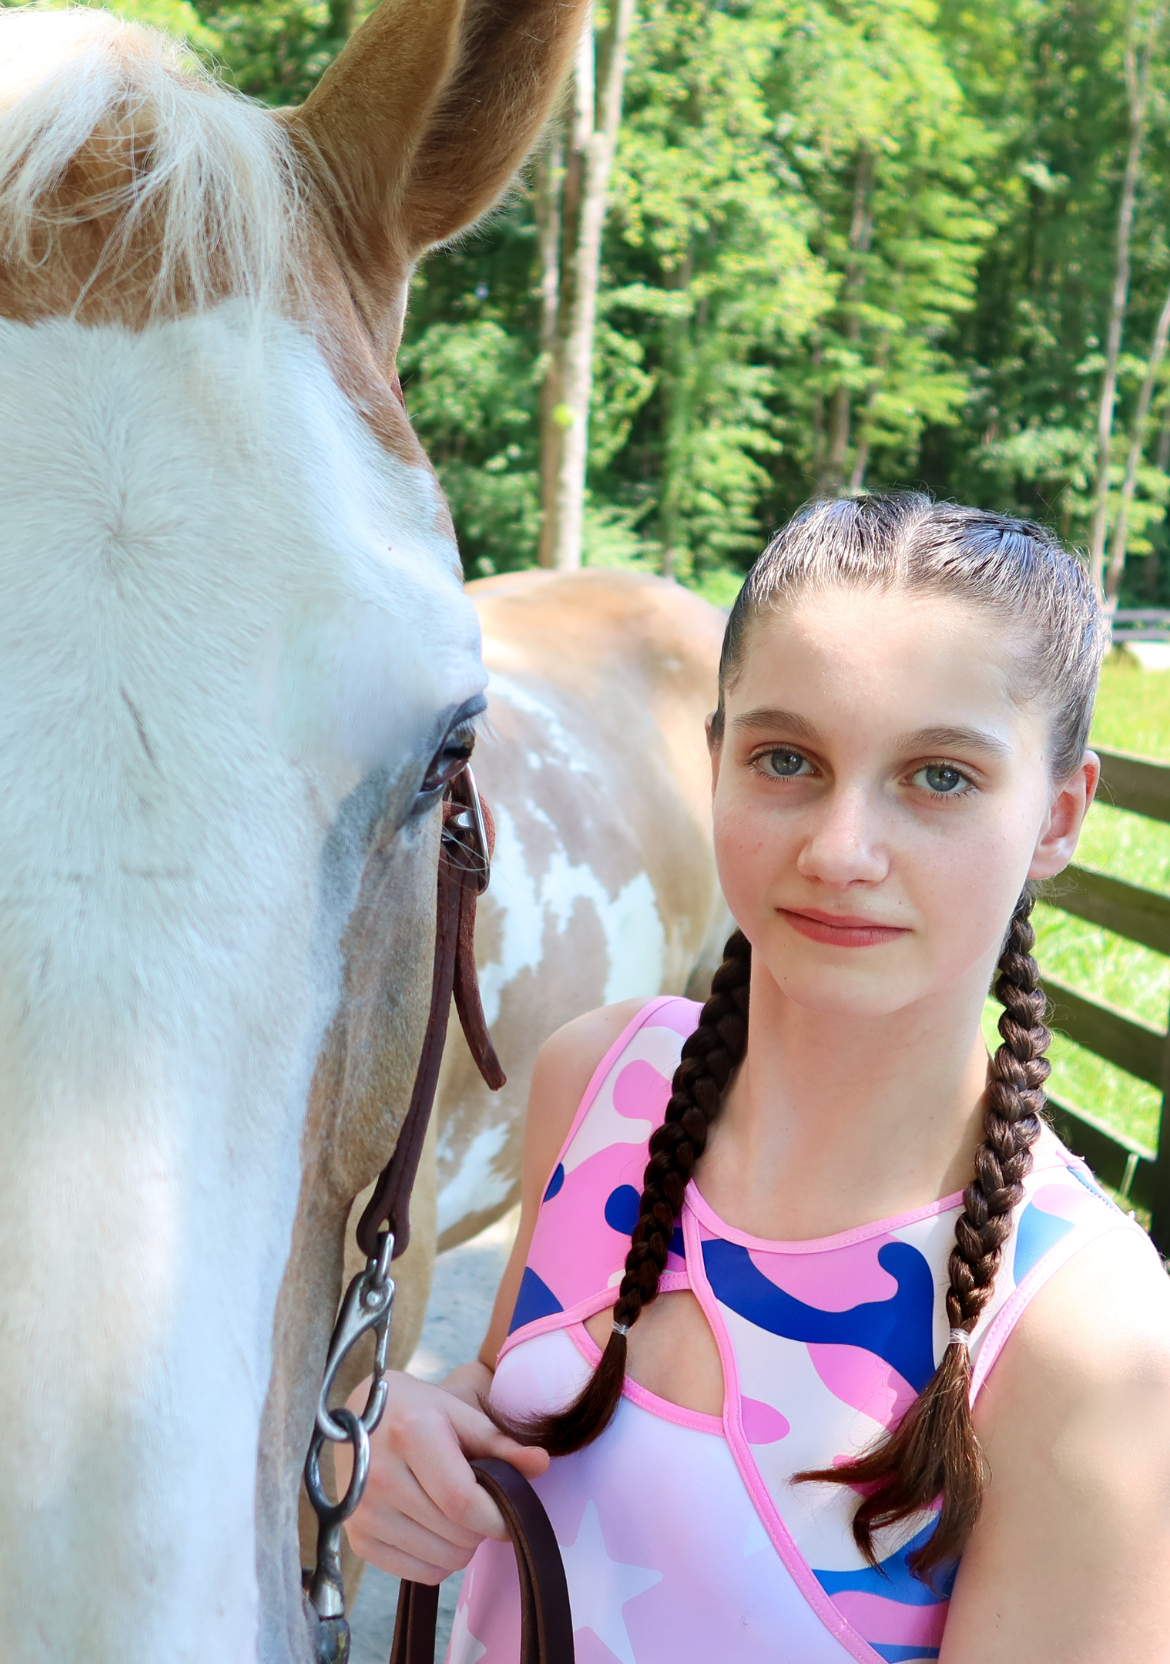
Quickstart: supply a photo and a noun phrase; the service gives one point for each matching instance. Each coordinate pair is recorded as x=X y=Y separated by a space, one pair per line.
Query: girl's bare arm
x=1070 y=1560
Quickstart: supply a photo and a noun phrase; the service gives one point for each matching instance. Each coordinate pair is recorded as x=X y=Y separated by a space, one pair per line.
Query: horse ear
x=424 y=118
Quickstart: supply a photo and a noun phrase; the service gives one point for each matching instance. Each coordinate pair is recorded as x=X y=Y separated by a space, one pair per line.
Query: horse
x=238 y=671
x=592 y=758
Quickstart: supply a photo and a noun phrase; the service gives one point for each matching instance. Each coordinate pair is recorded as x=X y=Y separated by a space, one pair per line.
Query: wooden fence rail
x=1142 y=786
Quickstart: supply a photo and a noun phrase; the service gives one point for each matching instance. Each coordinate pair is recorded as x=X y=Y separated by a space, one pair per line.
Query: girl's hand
x=423 y=1514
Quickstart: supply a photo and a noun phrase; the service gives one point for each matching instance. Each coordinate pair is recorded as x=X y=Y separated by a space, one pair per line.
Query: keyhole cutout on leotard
x=671 y=1352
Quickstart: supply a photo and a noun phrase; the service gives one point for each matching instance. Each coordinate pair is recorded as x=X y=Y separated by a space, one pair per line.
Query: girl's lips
x=841 y=932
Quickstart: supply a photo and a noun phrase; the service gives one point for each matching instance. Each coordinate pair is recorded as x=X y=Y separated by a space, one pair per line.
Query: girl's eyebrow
x=766 y=716
x=961 y=739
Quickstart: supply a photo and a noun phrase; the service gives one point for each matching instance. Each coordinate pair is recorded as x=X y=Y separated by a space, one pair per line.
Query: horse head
x=237 y=669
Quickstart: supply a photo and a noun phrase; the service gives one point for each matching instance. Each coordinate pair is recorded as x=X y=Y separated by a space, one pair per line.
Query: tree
x=572 y=195
x=1137 y=80
x=850 y=243
x=709 y=230
x=1136 y=448
x=882 y=140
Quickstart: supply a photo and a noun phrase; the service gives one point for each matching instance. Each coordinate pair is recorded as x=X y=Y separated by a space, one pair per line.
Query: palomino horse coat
x=237 y=666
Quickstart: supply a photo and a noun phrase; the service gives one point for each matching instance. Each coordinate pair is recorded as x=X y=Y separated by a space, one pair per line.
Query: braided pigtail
x=709 y=1056
x=933 y=1452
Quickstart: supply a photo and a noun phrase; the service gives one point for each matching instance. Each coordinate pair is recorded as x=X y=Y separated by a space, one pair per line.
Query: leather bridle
x=383 y=1231
x=546 y=1627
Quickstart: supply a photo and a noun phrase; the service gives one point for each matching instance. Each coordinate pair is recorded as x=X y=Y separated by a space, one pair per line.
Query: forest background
x=847 y=244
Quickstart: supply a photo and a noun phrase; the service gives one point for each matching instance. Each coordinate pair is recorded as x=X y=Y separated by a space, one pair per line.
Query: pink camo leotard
x=683 y=1539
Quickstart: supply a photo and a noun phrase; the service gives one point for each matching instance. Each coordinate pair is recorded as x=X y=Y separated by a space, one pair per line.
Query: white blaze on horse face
x=221 y=606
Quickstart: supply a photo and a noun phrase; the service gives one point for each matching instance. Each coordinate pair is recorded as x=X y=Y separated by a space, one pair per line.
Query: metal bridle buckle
x=367 y=1306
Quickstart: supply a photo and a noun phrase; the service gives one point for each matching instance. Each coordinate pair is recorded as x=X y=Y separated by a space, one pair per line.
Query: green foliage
x=734 y=307
x=471 y=389
x=850 y=243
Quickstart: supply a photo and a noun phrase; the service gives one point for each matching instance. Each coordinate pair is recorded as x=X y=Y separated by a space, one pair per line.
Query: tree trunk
x=549 y=185
x=861 y=459
x=1137 y=445
x=841 y=402
x=678 y=392
x=1162 y=463
x=568 y=382
x=818 y=410
x=1137 y=75
x=341 y=14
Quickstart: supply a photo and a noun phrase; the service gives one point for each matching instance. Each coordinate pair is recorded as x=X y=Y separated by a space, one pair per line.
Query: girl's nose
x=845 y=844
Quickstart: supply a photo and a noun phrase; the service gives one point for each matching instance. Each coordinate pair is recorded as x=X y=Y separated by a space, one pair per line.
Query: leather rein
x=383 y=1231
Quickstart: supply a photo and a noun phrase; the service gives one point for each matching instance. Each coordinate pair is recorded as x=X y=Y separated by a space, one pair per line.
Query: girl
x=837 y=1352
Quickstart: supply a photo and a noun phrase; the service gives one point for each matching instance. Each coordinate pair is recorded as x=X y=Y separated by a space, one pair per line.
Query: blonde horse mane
x=124 y=157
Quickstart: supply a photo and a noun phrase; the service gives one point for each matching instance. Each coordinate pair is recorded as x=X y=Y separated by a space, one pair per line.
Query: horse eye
x=449 y=760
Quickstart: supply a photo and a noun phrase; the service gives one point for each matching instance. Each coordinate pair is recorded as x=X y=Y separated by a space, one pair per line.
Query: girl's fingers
x=392 y=1560
x=388 y=1538
x=479 y=1436
x=394 y=1492
x=433 y=1448
x=423 y=1503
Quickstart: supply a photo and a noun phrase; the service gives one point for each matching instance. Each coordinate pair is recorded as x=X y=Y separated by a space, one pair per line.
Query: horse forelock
x=132 y=182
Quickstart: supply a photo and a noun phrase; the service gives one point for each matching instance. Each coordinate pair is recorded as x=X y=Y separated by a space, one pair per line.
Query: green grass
x=1133 y=714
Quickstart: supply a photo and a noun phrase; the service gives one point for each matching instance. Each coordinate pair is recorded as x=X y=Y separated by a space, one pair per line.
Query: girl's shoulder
x=1075 y=1424
x=573 y=1065
x=584 y=1165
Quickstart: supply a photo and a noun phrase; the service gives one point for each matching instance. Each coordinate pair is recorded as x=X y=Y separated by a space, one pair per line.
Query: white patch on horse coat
x=635 y=941
x=175 y=503
x=558 y=743
x=476 y=1184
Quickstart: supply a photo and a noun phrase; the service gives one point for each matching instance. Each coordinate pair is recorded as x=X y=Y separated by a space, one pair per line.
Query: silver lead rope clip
x=367 y=1306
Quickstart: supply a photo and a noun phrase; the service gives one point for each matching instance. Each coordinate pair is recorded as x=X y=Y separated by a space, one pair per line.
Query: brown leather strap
x=546 y=1621
x=464 y=866
x=415 y=1625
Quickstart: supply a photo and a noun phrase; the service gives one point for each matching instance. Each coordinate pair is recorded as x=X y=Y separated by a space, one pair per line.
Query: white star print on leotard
x=464 y=1645
x=601 y=1586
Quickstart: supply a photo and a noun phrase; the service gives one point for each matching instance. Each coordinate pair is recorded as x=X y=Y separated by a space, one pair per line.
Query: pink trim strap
x=802 y=1574
x=696 y=1420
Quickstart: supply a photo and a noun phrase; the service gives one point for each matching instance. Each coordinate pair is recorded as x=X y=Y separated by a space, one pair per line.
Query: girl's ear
x=714 y=750
x=1058 y=838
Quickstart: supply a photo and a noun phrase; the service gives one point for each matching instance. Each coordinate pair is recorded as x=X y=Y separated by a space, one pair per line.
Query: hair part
x=931 y=1461
x=124 y=159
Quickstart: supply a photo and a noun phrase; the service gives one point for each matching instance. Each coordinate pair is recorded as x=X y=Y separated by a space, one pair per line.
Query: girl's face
x=880 y=797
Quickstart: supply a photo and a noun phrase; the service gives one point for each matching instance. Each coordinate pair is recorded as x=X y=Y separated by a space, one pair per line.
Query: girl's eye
x=783 y=764
x=943 y=779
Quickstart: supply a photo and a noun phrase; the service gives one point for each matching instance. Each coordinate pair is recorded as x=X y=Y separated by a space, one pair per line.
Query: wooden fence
x=1140 y=624
x=1142 y=916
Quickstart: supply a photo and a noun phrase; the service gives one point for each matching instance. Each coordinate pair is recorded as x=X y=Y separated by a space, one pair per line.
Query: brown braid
x=934 y=1450
x=709 y=1057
